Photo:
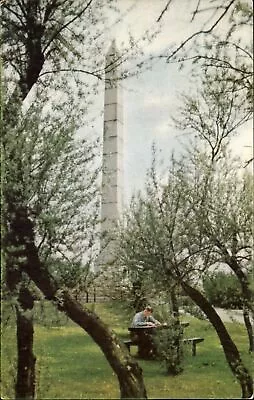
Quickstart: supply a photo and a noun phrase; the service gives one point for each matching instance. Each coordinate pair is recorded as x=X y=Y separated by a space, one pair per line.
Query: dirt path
x=230 y=315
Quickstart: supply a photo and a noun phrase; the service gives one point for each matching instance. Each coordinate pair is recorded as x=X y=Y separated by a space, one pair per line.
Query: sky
x=151 y=98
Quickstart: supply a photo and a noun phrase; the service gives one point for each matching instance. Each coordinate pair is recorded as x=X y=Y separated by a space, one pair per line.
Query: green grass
x=71 y=365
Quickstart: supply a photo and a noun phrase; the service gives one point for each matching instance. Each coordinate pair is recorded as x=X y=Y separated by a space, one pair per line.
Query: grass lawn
x=70 y=364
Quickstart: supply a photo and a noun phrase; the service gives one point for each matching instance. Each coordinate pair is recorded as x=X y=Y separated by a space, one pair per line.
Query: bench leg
x=128 y=346
x=194 y=350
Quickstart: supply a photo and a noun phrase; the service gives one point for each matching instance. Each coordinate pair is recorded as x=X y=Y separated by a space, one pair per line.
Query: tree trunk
x=139 y=300
x=25 y=373
x=128 y=372
x=174 y=303
x=247 y=293
x=247 y=297
x=25 y=385
x=178 y=331
x=230 y=350
x=247 y=321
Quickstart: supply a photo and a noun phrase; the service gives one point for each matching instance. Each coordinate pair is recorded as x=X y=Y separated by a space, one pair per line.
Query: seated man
x=143 y=337
x=144 y=318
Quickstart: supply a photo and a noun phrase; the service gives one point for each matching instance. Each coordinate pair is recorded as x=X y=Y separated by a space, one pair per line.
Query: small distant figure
x=144 y=318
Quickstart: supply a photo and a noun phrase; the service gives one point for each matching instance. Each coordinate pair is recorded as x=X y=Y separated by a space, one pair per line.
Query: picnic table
x=143 y=338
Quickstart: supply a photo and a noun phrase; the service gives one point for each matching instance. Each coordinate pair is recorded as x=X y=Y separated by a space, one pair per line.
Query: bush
x=190 y=307
x=223 y=290
x=195 y=311
x=169 y=347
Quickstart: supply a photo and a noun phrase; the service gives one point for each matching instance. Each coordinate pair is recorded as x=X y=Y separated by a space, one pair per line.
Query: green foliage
x=223 y=51
x=190 y=307
x=170 y=346
x=72 y=366
x=54 y=176
x=67 y=274
x=223 y=290
x=47 y=315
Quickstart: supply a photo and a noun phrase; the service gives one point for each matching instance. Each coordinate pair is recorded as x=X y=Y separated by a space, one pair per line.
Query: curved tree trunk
x=128 y=372
x=249 y=328
x=247 y=293
x=247 y=297
x=230 y=350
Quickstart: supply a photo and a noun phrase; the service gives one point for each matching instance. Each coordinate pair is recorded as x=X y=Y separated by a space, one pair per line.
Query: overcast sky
x=151 y=98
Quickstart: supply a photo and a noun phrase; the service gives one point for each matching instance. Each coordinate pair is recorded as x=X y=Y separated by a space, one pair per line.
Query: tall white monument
x=112 y=163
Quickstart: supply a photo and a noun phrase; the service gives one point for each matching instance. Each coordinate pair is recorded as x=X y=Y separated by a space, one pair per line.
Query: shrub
x=223 y=290
x=169 y=347
x=190 y=307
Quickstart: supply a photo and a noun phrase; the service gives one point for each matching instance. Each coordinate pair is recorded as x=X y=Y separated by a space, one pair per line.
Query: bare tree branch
x=209 y=30
x=163 y=11
x=71 y=70
x=248 y=162
x=195 y=11
x=53 y=37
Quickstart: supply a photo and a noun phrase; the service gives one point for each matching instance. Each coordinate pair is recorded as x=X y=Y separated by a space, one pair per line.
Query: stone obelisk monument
x=112 y=162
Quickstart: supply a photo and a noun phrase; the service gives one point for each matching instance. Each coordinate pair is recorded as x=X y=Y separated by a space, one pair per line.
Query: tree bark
x=174 y=303
x=230 y=350
x=249 y=328
x=128 y=372
x=178 y=332
x=247 y=297
x=139 y=300
x=247 y=293
x=26 y=361
x=25 y=385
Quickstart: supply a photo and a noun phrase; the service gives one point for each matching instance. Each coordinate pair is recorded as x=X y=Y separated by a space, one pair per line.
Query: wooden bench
x=129 y=343
x=194 y=342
